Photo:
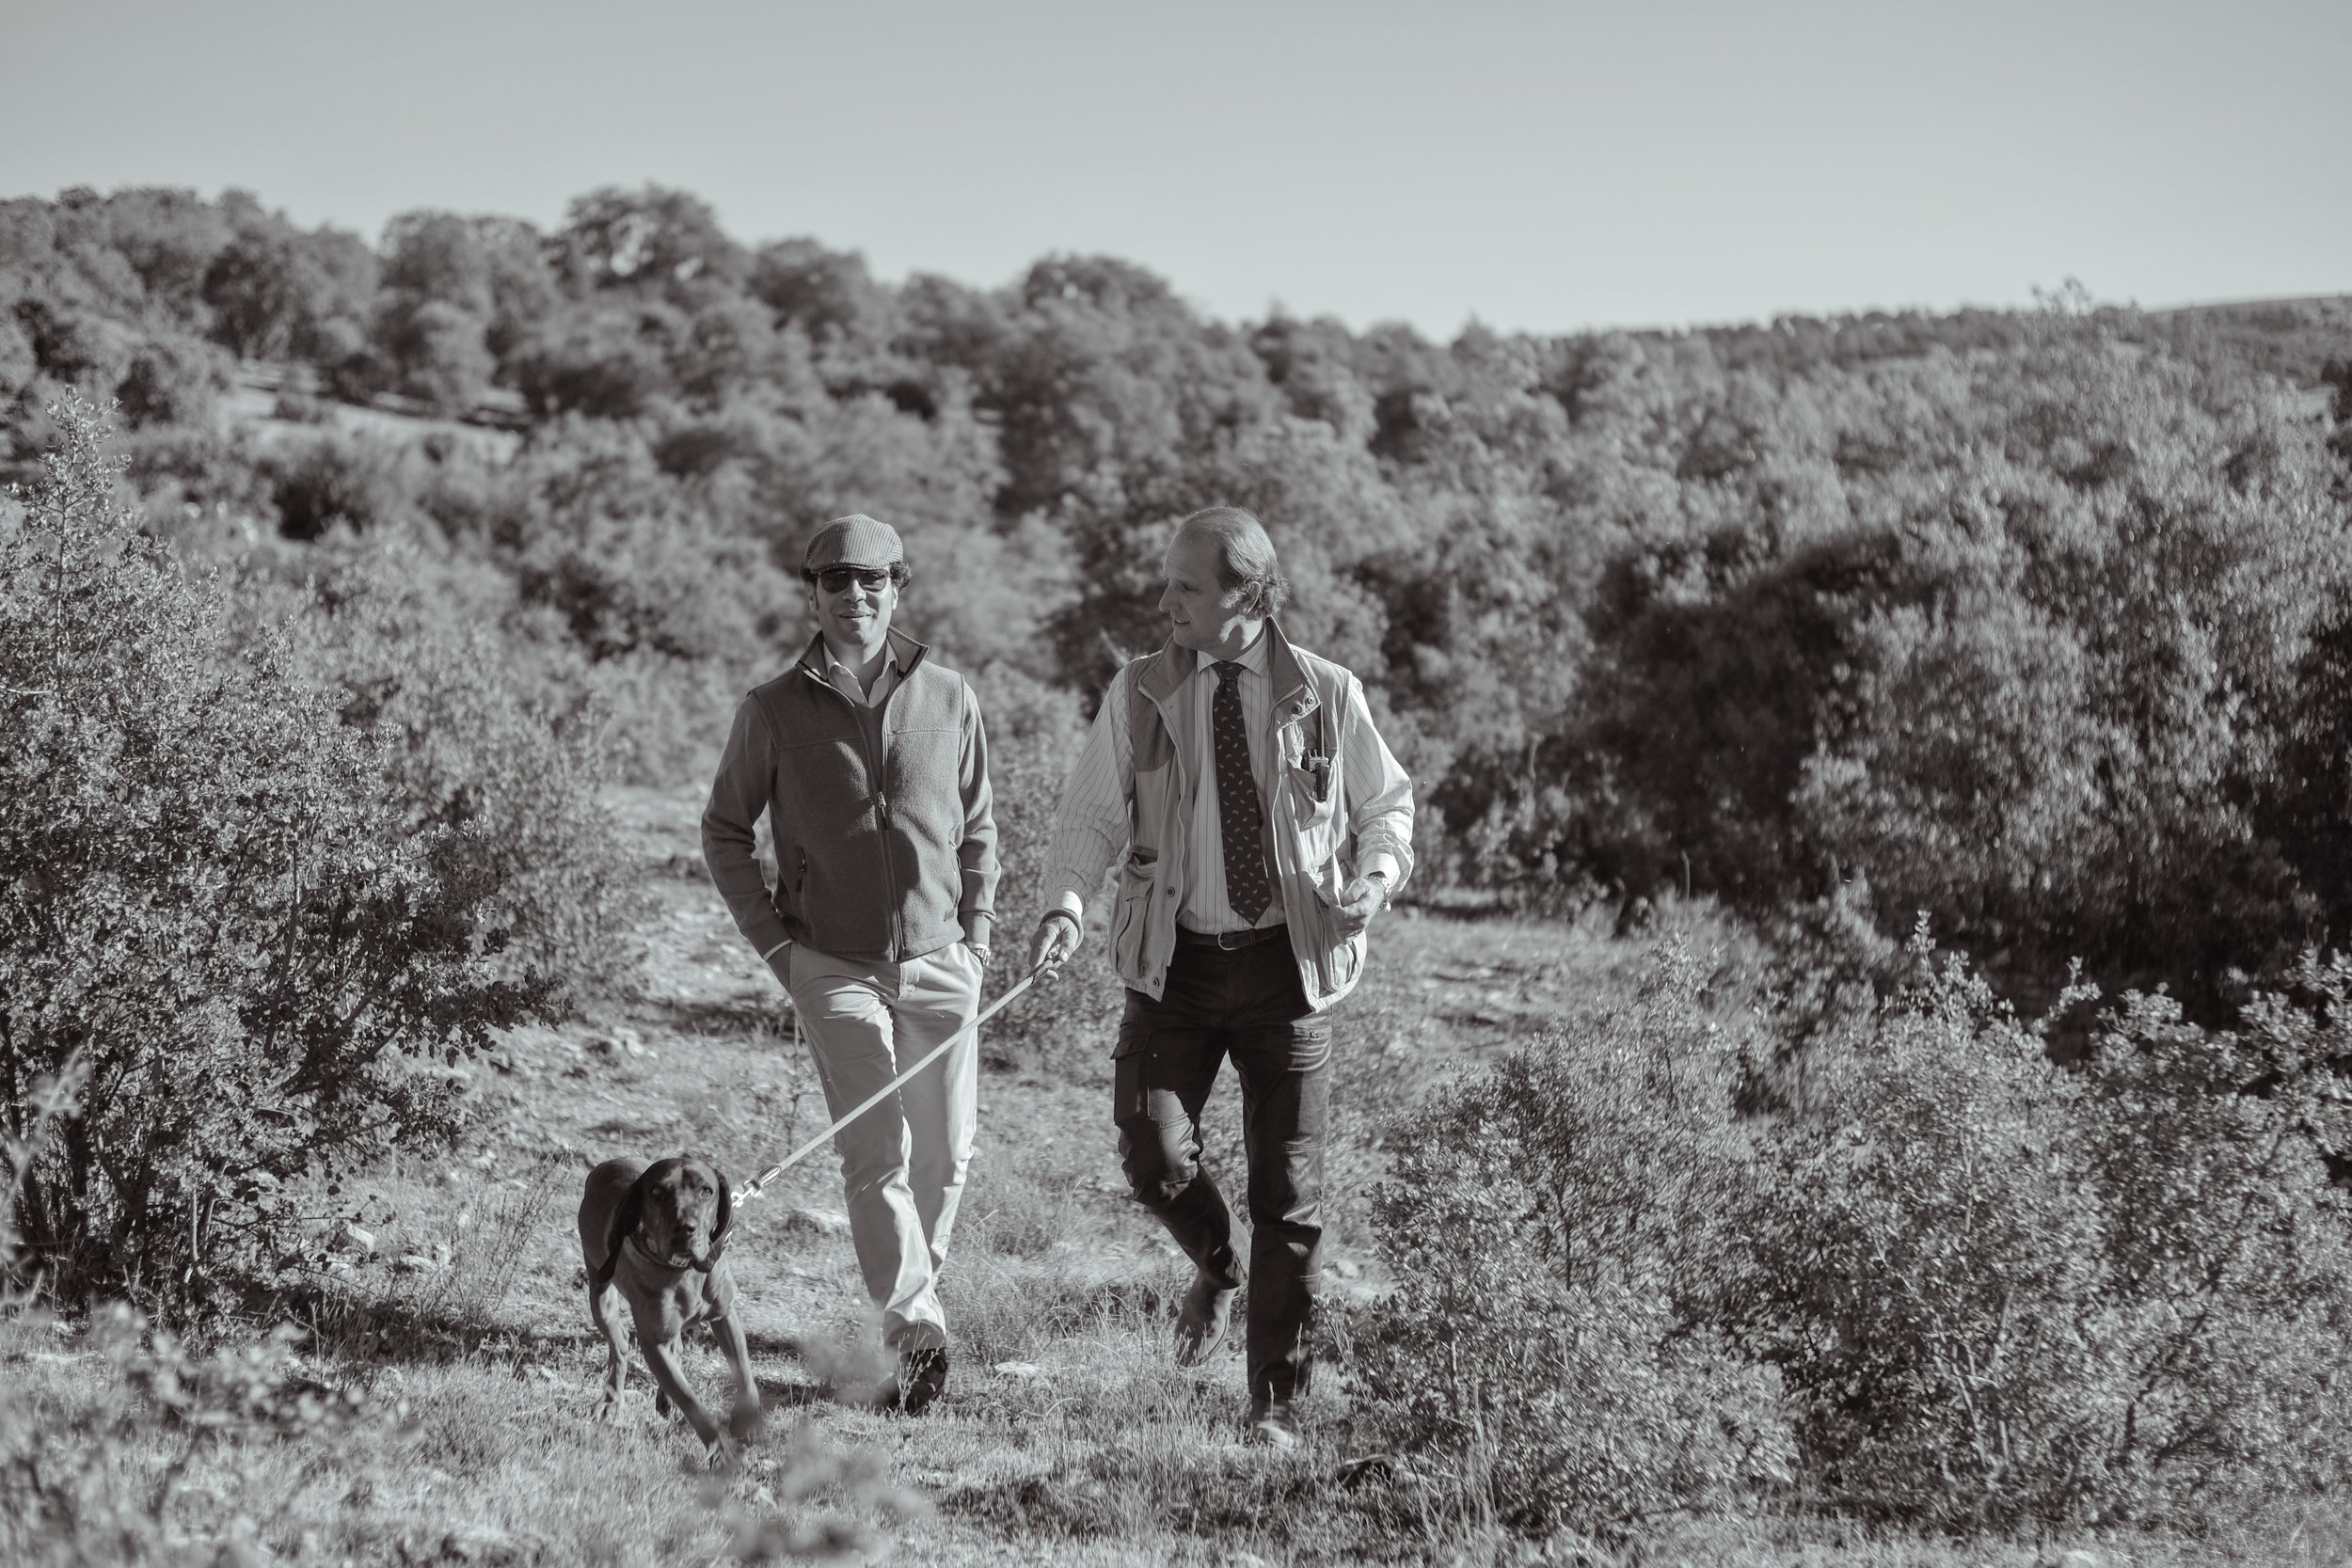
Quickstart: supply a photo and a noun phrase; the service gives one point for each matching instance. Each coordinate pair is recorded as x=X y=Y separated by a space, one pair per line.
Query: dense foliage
x=2012 y=1292
x=2031 y=620
x=1967 y=1286
x=224 y=928
x=1561 y=1227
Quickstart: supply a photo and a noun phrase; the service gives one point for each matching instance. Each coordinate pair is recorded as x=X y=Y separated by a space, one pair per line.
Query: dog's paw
x=723 y=1453
x=610 y=1412
x=745 y=1421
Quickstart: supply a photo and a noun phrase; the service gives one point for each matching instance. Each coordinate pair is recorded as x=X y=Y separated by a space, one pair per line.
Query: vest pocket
x=1346 y=960
x=1130 y=920
x=1313 y=792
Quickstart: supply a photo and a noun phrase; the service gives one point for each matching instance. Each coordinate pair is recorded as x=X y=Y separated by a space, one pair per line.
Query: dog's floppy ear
x=726 y=1208
x=626 y=1219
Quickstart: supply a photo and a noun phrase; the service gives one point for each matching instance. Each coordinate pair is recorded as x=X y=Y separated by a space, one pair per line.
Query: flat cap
x=855 y=540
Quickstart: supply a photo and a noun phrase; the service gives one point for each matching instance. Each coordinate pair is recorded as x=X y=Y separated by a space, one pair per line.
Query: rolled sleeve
x=747 y=771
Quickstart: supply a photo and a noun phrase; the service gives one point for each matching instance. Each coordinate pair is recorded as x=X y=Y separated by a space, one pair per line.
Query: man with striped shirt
x=1258 y=823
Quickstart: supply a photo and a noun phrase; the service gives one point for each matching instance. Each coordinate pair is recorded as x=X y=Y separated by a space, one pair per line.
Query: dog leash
x=745 y=1194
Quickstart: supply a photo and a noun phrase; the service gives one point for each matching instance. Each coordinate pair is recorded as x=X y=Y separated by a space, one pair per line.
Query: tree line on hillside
x=2034 y=620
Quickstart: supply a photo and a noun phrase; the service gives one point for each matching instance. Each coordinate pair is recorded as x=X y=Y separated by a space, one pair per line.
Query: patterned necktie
x=1237 y=811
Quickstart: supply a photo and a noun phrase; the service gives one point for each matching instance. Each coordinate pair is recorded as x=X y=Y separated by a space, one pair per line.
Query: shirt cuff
x=975 y=927
x=1380 y=863
x=1070 y=904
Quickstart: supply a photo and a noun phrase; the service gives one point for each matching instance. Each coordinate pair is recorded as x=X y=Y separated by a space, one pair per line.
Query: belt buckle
x=1233 y=940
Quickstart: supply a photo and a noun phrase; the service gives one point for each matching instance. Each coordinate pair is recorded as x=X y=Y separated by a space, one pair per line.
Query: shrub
x=439 y=351
x=207 y=903
x=172 y=380
x=669 y=715
x=2006 y=1292
x=2226 y=1244
x=97 y=1483
x=1928 y=1270
x=332 y=481
x=503 y=779
x=1563 y=1225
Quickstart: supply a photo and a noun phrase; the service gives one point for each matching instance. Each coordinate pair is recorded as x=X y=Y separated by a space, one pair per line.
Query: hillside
x=2295 y=340
x=1066 y=1438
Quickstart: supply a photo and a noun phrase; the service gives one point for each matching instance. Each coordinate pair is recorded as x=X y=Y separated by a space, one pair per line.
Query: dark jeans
x=1248 y=1005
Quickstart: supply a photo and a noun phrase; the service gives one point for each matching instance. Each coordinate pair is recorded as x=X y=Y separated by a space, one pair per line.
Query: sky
x=1539 y=168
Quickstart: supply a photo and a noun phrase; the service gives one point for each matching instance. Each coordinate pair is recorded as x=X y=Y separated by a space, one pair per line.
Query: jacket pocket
x=790 y=898
x=1130 y=919
x=1314 y=788
x=1348 y=960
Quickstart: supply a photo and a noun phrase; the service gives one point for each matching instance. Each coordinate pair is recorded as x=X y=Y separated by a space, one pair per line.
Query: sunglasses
x=837 y=580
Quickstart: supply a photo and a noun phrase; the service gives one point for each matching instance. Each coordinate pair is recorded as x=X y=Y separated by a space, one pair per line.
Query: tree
x=653 y=240
x=601 y=358
x=436 y=350
x=275 y=290
x=437 y=256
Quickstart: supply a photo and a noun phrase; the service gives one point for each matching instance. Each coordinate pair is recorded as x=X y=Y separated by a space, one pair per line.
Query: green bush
x=210 y=907
x=504 y=781
x=95 y=1482
x=1927 y=1269
x=2226 y=1245
x=330 y=481
x=2006 y=1293
x=1950 y=1283
x=1563 y=1226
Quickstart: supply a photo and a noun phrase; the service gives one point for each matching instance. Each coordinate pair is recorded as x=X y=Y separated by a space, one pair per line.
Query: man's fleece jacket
x=884 y=823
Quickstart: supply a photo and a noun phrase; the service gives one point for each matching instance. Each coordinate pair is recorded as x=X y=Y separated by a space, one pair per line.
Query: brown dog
x=655 y=1235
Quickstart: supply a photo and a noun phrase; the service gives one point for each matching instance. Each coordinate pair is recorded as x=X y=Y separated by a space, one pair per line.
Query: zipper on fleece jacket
x=882 y=799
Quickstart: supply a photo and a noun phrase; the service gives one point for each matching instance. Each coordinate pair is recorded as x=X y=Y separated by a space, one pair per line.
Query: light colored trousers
x=903 y=1162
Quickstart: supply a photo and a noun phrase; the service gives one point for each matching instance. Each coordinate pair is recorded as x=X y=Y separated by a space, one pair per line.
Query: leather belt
x=1230 y=940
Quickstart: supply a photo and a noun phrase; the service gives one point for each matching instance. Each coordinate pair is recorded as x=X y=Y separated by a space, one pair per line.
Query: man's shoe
x=922 y=1378
x=1201 y=1322
x=1273 y=1424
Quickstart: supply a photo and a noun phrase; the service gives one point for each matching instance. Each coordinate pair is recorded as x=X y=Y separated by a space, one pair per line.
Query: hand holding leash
x=1055 y=941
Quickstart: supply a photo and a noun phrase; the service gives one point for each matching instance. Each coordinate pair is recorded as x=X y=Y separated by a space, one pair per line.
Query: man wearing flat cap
x=871 y=761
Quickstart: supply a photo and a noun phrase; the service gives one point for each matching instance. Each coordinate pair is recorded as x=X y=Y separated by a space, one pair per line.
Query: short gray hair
x=1245 y=557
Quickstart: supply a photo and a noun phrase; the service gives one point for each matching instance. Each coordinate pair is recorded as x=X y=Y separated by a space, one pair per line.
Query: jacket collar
x=904 y=648
x=1166 y=671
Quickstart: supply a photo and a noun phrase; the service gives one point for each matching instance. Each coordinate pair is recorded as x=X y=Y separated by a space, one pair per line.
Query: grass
x=1067 y=1438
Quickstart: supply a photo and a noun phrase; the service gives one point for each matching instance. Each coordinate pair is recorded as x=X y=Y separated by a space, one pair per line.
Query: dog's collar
x=650 y=1260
